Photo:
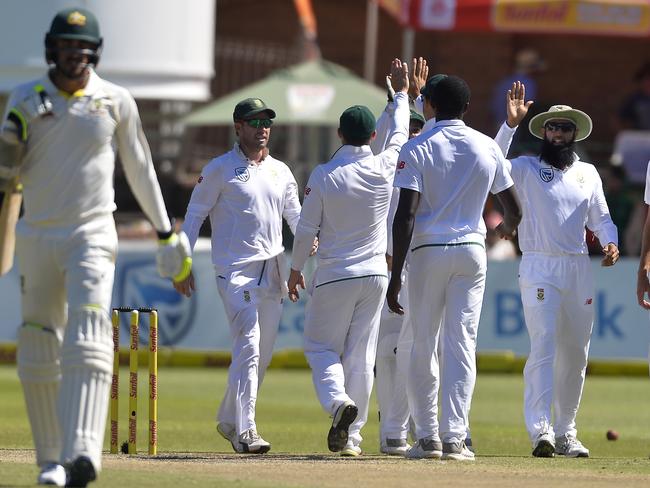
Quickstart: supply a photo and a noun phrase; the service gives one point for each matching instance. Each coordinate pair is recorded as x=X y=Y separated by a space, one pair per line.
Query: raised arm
x=399 y=134
x=516 y=109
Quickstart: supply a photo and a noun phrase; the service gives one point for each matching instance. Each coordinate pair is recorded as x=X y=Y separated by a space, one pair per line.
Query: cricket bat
x=13 y=197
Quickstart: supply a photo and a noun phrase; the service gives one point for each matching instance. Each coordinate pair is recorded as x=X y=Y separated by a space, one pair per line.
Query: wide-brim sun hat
x=562 y=112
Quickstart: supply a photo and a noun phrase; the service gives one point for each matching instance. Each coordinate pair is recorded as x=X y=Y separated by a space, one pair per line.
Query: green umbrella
x=310 y=93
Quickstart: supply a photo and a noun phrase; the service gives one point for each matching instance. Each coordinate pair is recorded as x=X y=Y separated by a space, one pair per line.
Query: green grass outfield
x=193 y=454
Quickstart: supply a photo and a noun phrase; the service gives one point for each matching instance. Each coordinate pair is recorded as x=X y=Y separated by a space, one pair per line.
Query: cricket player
x=563 y=195
x=346 y=204
x=390 y=381
x=390 y=373
x=395 y=332
x=65 y=129
x=246 y=192
x=642 y=283
x=444 y=176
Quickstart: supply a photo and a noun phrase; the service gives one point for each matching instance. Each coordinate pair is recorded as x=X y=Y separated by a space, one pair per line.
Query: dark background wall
x=588 y=72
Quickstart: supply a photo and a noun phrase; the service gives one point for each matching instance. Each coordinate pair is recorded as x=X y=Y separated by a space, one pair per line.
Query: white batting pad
x=87 y=360
x=40 y=374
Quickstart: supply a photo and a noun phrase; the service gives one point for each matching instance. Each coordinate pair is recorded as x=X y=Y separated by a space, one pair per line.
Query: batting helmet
x=74 y=24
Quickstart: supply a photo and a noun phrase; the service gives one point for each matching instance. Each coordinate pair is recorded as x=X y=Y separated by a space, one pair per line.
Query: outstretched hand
x=419 y=76
x=516 y=104
x=399 y=76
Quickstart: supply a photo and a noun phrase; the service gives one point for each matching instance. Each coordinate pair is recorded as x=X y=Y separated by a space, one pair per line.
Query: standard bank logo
x=137 y=284
x=546 y=174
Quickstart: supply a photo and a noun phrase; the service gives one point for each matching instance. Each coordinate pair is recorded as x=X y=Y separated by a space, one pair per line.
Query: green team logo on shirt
x=242 y=174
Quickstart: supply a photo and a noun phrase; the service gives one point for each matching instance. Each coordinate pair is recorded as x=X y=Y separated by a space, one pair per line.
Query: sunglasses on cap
x=561 y=126
x=257 y=123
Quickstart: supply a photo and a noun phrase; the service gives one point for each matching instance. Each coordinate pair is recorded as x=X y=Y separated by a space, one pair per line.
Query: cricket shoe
x=350 y=450
x=394 y=447
x=544 y=446
x=456 y=451
x=569 y=446
x=251 y=442
x=228 y=432
x=337 y=438
x=469 y=444
x=52 y=474
x=81 y=472
x=425 y=448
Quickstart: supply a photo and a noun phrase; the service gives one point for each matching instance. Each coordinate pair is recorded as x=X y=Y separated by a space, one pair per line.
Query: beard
x=559 y=156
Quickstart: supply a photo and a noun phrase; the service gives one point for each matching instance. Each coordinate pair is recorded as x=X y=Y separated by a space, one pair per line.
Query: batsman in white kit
x=346 y=205
x=444 y=176
x=246 y=193
x=561 y=195
x=64 y=130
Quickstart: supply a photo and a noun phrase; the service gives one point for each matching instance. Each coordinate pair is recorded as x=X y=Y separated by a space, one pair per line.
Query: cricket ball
x=612 y=435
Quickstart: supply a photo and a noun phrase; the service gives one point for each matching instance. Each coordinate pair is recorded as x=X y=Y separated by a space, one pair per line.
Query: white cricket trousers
x=557 y=295
x=340 y=338
x=65 y=349
x=252 y=298
x=446 y=285
x=391 y=369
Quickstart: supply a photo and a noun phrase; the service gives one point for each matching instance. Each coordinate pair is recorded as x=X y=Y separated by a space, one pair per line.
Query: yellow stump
x=133 y=382
x=153 y=383
x=115 y=381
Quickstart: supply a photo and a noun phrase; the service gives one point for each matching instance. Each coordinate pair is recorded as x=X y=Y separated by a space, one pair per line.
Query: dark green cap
x=416 y=116
x=357 y=123
x=250 y=107
x=430 y=85
x=75 y=23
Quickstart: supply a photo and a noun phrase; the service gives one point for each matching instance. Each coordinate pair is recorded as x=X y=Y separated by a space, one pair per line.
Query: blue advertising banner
x=621 y=328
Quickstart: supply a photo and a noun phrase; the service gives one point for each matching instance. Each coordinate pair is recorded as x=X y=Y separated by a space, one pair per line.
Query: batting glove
x=174 y=257
x=28 y=109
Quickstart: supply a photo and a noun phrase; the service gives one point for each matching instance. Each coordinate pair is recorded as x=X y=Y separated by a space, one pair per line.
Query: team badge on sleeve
x=546 y=174
x=401 y=165
x=307 y=191
x=540 y=294
x=242 y=174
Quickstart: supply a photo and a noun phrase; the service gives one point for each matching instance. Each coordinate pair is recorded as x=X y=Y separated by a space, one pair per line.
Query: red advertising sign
x=592 y=17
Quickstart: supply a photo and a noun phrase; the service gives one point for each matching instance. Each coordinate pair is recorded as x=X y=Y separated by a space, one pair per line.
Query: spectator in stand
x=527 y=65
x=635 y=111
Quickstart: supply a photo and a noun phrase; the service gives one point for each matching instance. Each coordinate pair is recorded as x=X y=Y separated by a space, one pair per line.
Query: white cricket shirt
x=346 y=203
x=453 y=167
x=246 y=202
x=558 y=204
x=67 y=171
